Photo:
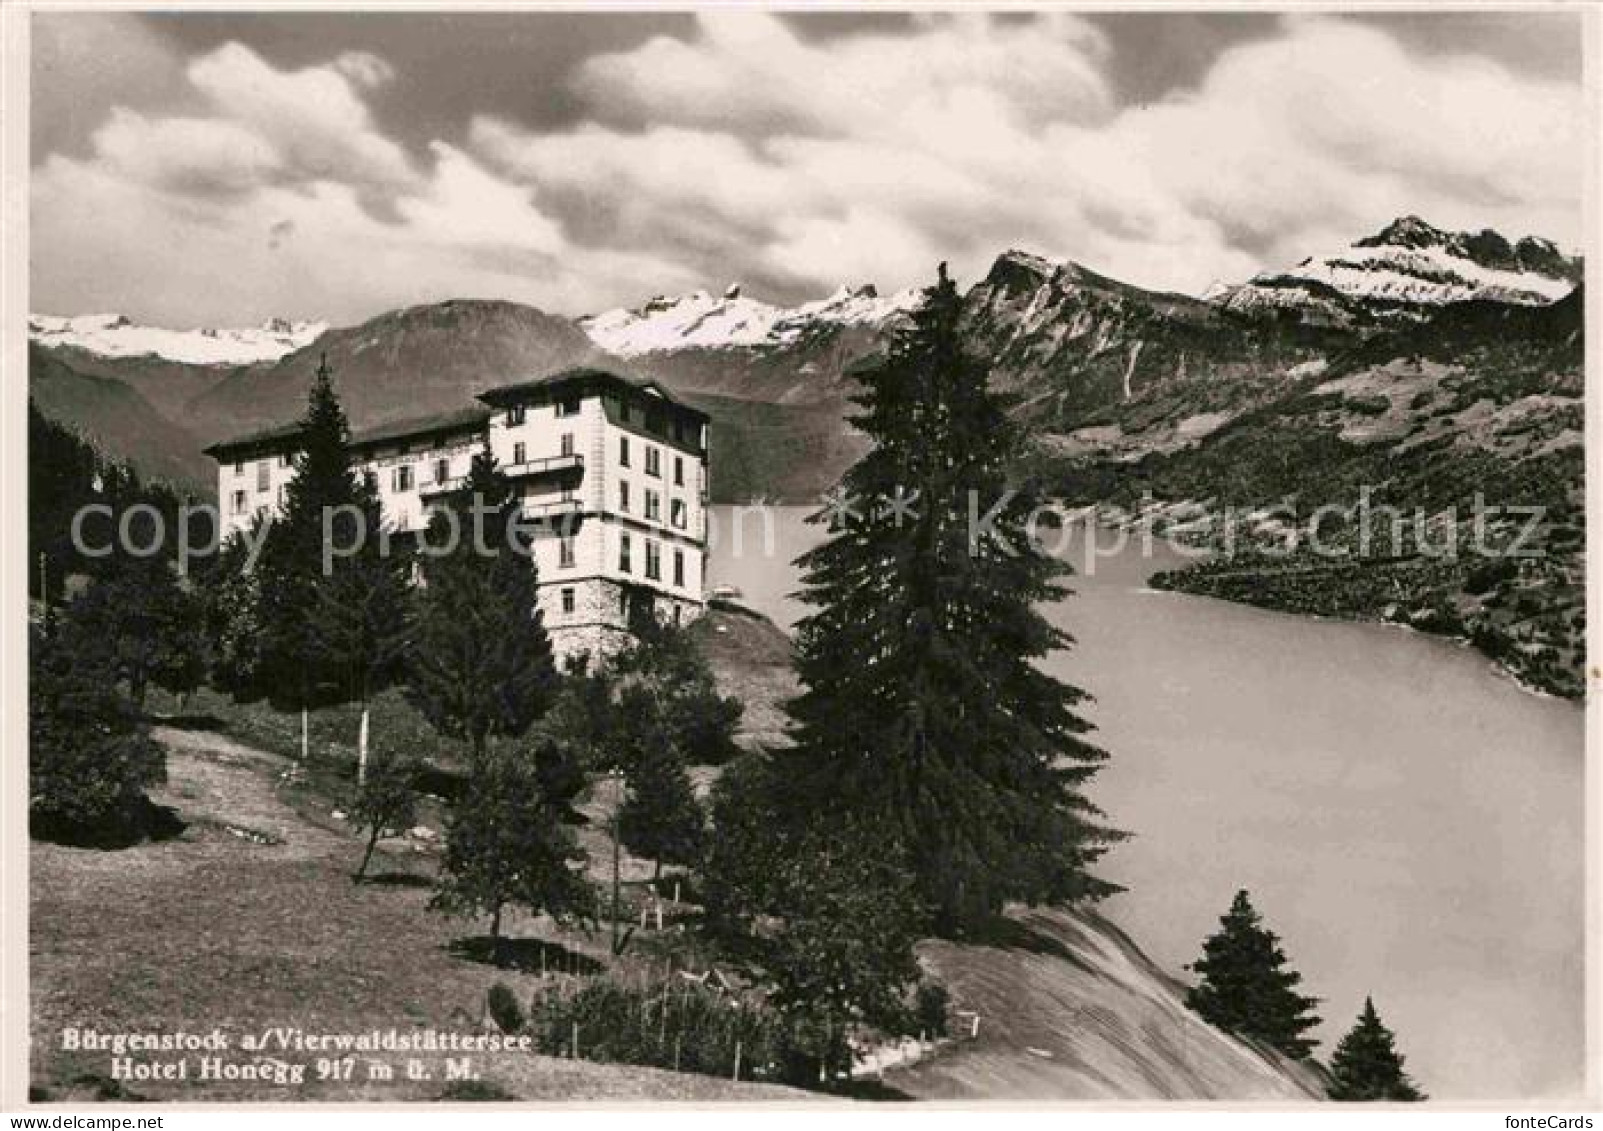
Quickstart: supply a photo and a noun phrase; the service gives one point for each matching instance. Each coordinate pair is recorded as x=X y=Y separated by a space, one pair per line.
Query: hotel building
x=615 y=469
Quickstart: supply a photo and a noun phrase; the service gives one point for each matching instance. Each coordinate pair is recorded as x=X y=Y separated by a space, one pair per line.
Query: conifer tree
x=506 y=845
x=359 y=622
x=324 y=492
x=1246 y=986
x=661 y=819
x=1366 y=1064
x=479 y=658
x=924 y=709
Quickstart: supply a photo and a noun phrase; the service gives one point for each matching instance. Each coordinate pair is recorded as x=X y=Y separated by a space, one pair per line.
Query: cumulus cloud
x=748 y=151
x=868 y=156
x=314 y=118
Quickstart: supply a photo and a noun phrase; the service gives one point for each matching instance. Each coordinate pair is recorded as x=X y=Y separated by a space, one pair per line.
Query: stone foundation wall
x=598 y=624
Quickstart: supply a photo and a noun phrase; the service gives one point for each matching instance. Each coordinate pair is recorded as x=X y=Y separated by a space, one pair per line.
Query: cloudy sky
x=219 y=168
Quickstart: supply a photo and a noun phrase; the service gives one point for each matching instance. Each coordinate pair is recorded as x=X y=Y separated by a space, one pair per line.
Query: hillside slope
x=118 y=421
x=1070 y=1009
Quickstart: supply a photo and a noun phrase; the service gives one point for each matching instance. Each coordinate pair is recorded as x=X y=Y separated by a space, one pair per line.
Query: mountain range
x=1414 y=357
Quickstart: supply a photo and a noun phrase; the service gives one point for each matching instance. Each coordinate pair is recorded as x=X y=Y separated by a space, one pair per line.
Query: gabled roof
x=552 y=383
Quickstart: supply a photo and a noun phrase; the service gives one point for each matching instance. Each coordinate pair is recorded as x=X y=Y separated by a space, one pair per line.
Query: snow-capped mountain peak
x=117 y=335
x=733 y=321
x=1408 y=266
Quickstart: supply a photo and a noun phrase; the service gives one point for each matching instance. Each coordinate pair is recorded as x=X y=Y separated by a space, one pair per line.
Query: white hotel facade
x=614 y=466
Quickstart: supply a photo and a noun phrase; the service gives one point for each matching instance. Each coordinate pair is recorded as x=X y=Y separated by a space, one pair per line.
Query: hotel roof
x=551 y=383
x=280 y=437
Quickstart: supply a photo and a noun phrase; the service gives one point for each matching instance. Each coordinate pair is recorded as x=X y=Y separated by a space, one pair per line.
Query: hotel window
x=286 y=459
x=239 y=502
x=515 y=415
x=519 y=450
x=442 y=470
x=568 y=407
x=653 y=505
x=623 y=450
x=567 y=443
x=679 y=568
x=264 y=475
x=401 y=479
x=677 y=513
x=239 y=468
x=654 y=462
x=567 y=601
x=623 y=553
x=565 y=553
x=653 y=561
x=678 y=471
x=283 y=495
x=370 y=478
x=623 y=495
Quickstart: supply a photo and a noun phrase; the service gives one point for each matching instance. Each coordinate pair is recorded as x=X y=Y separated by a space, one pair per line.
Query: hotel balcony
x=552 y=508
x=446 y=487
x=550 y=465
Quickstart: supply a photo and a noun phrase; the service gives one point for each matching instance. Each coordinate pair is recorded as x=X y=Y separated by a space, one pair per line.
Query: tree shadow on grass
x=142 y=821
x=1010 y=934
x=864 y=1089
x=532 y=956
x=396 y=880
x=189 y=722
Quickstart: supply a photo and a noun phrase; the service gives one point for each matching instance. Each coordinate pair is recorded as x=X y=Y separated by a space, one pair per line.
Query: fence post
x=575 y=1040
x=737 y=1058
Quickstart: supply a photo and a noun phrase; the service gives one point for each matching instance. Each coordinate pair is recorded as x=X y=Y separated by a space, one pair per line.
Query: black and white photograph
x=795 y=556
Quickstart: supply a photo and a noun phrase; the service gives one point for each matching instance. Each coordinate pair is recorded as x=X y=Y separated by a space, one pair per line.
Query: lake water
x=1407 y=819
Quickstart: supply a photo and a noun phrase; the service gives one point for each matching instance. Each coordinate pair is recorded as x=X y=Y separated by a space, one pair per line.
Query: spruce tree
x=479 y=659
x=1366 y=1064
x=1246 y=986
x=924 y=708
x=293 y=669
x=359 y=621
x=506 y=845
x=660 y=819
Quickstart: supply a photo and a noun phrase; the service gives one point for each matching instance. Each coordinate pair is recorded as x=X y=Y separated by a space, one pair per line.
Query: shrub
x=684 y=1026
x=504 y=1008
x=475 y=1091
x=91 y=756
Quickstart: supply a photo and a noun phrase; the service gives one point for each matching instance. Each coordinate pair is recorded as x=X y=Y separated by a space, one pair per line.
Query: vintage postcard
x=778 y=555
